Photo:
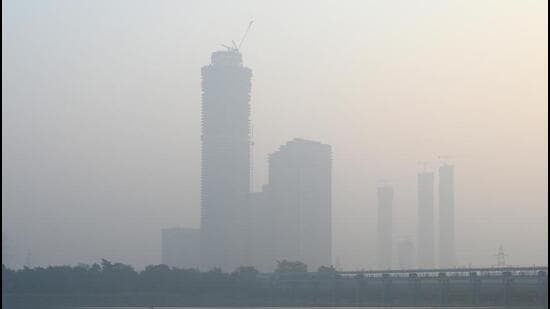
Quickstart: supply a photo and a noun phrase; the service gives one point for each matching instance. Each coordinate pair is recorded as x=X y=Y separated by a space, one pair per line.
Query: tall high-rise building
x=385 y=235
x=425 y=256
x=299 y=191
x=225 y=175
x=180 y=247
x=446 y=192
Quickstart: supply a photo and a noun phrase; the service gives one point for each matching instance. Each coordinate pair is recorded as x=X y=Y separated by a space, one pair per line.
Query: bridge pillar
x=415 y=293
x=386 y=289
x=542 y=295
x=444 y=284
x=507 y=284
x=475 y=283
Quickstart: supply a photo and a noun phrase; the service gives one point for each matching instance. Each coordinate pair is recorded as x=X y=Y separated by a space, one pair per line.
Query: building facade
x=447 y=254
x=426 y=249
x=225 y=174
x=180 y=247
x=262 y=235
x=299 y=194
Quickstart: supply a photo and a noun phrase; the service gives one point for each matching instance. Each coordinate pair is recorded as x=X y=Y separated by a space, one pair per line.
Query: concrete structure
x=425 y=256
x=225 y=178
x=405 y=254
x=181 y=247
x=262 y=235
x=299 y=192
x=385 y=235
x=446 y=192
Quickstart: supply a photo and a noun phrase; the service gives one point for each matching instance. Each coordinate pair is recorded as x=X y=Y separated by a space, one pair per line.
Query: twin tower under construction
x=425 y=257
x=426 y=238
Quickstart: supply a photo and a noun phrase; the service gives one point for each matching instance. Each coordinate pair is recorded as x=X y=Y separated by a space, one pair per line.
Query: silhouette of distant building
x=291 y=217
x=425 y=257
x=299 y=191
x=262 y=235
x=385 y=243
x=180 y=247
x=405 y=254
x=225 y=175
x=446 y=192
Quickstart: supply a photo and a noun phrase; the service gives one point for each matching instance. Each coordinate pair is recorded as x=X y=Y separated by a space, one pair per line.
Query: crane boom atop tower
x=236 y=47
x=245 y=34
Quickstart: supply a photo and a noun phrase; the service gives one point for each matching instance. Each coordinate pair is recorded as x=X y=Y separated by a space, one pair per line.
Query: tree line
x=117 y=284
x=109 y=277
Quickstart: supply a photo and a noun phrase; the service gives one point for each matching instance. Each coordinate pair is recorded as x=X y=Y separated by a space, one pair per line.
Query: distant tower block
x=447 y=256
x=385 y=244
x=425 y=256
x=225 y=173
x=300 y=181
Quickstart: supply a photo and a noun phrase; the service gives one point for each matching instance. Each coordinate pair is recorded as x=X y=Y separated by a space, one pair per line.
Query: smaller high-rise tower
x=447 y=256
x=300 y=189
x=425 y=257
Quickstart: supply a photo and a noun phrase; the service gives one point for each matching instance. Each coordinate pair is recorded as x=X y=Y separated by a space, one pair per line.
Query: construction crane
x=245 y=34
x=236 y=47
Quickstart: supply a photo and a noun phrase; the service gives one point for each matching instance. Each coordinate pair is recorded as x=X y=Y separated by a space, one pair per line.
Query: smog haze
x=101 y=113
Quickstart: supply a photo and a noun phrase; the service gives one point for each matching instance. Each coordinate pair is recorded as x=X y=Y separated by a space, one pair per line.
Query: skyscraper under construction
x=225 y=175
x=425 y=258
x=446 y=192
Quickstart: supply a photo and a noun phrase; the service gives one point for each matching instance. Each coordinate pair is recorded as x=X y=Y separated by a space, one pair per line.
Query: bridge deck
x=450 y=270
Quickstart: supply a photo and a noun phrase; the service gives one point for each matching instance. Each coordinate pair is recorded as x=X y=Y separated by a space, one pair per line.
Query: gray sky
x=101 y=117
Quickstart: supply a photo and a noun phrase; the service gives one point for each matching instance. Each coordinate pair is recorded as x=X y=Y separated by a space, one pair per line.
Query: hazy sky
x=101 y=117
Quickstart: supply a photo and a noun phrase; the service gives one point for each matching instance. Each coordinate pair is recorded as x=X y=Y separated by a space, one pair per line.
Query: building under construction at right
x=446 y=192
x=425 y=257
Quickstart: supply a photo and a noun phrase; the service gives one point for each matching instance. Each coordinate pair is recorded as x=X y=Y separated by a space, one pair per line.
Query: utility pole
x=501 y=257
